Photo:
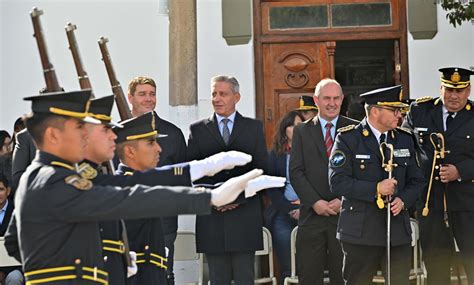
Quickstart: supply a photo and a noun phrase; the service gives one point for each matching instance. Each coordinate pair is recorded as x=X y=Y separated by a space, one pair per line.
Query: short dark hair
x=19 y=125
x=3 y=136
x=37 y=124
x=4 y=180
x=120 y=148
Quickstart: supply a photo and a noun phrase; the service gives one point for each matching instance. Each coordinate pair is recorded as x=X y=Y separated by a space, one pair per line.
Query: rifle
x=122 y=105
x=84 y=81
x=52 y=84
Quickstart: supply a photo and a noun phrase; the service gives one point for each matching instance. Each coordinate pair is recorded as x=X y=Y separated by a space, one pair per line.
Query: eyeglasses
x=396 y=111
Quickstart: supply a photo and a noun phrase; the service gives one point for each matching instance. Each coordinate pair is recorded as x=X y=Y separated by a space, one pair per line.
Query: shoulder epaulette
x=423 y=99
x=87 y=171
x=405 y=130
x=346 y=128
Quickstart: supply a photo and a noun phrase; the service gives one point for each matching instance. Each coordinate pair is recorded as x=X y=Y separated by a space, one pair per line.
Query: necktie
x=449 y=119
x=382 y=138
x=328 y=139
x=225 y=131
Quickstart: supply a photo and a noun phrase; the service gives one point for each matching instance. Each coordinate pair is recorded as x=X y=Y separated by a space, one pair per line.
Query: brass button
x=147 y=247
x=362 y=161
x=468 y=137
x=421 y=140
x=362 y=166
x=77 y=261
x=437 y=167
x=350 y=208
x=438 y=157
x=436 y=178
x=105 y=258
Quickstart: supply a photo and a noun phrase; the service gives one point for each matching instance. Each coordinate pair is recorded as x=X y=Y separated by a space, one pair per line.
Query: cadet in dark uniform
x=139 y=151
x=452 y=186
x=307 y=107
x=357 y=175
x=100 y=148
x=57 y=210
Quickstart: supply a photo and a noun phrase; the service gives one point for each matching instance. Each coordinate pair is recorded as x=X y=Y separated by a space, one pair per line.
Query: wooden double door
x=293 y=69
x=360 y=43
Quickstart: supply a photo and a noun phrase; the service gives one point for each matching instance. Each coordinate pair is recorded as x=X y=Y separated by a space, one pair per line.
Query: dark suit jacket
x=426 y=118
x=309 y=168
x=277 y=167
x=241 y=228
x=356 y=168
x=23 y=155
x=6 y=218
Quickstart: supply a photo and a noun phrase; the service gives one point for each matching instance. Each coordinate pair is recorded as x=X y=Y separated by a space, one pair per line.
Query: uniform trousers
x=437 y=244
x=361 y=263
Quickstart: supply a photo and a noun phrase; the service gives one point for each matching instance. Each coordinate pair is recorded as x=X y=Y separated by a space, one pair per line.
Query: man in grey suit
x=316 y=242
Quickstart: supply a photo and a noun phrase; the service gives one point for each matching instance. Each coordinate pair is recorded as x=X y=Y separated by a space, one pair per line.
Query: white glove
x=132 y=270
x=230 y=190
x=263 y=182
x=216 y=163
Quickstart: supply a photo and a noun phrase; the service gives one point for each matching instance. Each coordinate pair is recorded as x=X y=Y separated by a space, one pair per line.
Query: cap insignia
x=455 y=77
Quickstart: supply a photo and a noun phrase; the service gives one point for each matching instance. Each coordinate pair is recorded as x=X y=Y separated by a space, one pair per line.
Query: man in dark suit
x=142 y=97
x=11 y=275
x=448 y=214
x=23 y=154
x=356 y=174
x=312 y=142
x=231 y=234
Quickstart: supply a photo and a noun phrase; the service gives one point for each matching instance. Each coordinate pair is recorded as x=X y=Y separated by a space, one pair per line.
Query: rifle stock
x=52 y=84
x=120 y=99
x=82 y=76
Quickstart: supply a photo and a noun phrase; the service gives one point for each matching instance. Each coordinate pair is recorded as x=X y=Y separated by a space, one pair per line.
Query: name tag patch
x=362 y=156
x=422 y=129
x=404 y=152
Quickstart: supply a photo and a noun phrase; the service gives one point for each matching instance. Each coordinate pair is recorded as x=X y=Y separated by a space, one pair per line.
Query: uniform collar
x=51 y=159
x=125 y=169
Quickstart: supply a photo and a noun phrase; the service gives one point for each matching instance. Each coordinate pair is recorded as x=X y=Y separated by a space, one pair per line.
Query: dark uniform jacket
x=146 y=238
x=354 y=171
x=309 y=169
x=425 y=118
x=57 y=213
x=239 y=229
x=23 y=153
x=112 y=231
x=173 y=150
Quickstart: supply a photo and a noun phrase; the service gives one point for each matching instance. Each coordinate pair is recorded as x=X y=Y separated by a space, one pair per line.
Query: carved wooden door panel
x=289 y=71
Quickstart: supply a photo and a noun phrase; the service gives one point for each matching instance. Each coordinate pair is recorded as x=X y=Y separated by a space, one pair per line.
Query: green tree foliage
x=458 y=10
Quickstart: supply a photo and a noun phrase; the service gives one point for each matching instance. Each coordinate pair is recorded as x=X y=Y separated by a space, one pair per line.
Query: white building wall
x=138 y=45
x=450 y=47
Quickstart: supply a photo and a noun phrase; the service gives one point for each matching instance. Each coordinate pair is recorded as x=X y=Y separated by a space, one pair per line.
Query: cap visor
x=114 y=124
x=91 y=120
